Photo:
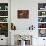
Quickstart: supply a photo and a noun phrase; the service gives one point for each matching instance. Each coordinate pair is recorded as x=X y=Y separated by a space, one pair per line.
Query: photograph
x=23 y=13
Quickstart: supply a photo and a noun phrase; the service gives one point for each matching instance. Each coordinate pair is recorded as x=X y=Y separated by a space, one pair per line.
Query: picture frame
x=22 y=14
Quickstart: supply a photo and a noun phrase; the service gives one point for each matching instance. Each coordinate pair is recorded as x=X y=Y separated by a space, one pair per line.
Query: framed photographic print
x=23 y=13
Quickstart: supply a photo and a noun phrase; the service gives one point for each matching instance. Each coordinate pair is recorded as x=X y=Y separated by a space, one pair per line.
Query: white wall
x=23 y=24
